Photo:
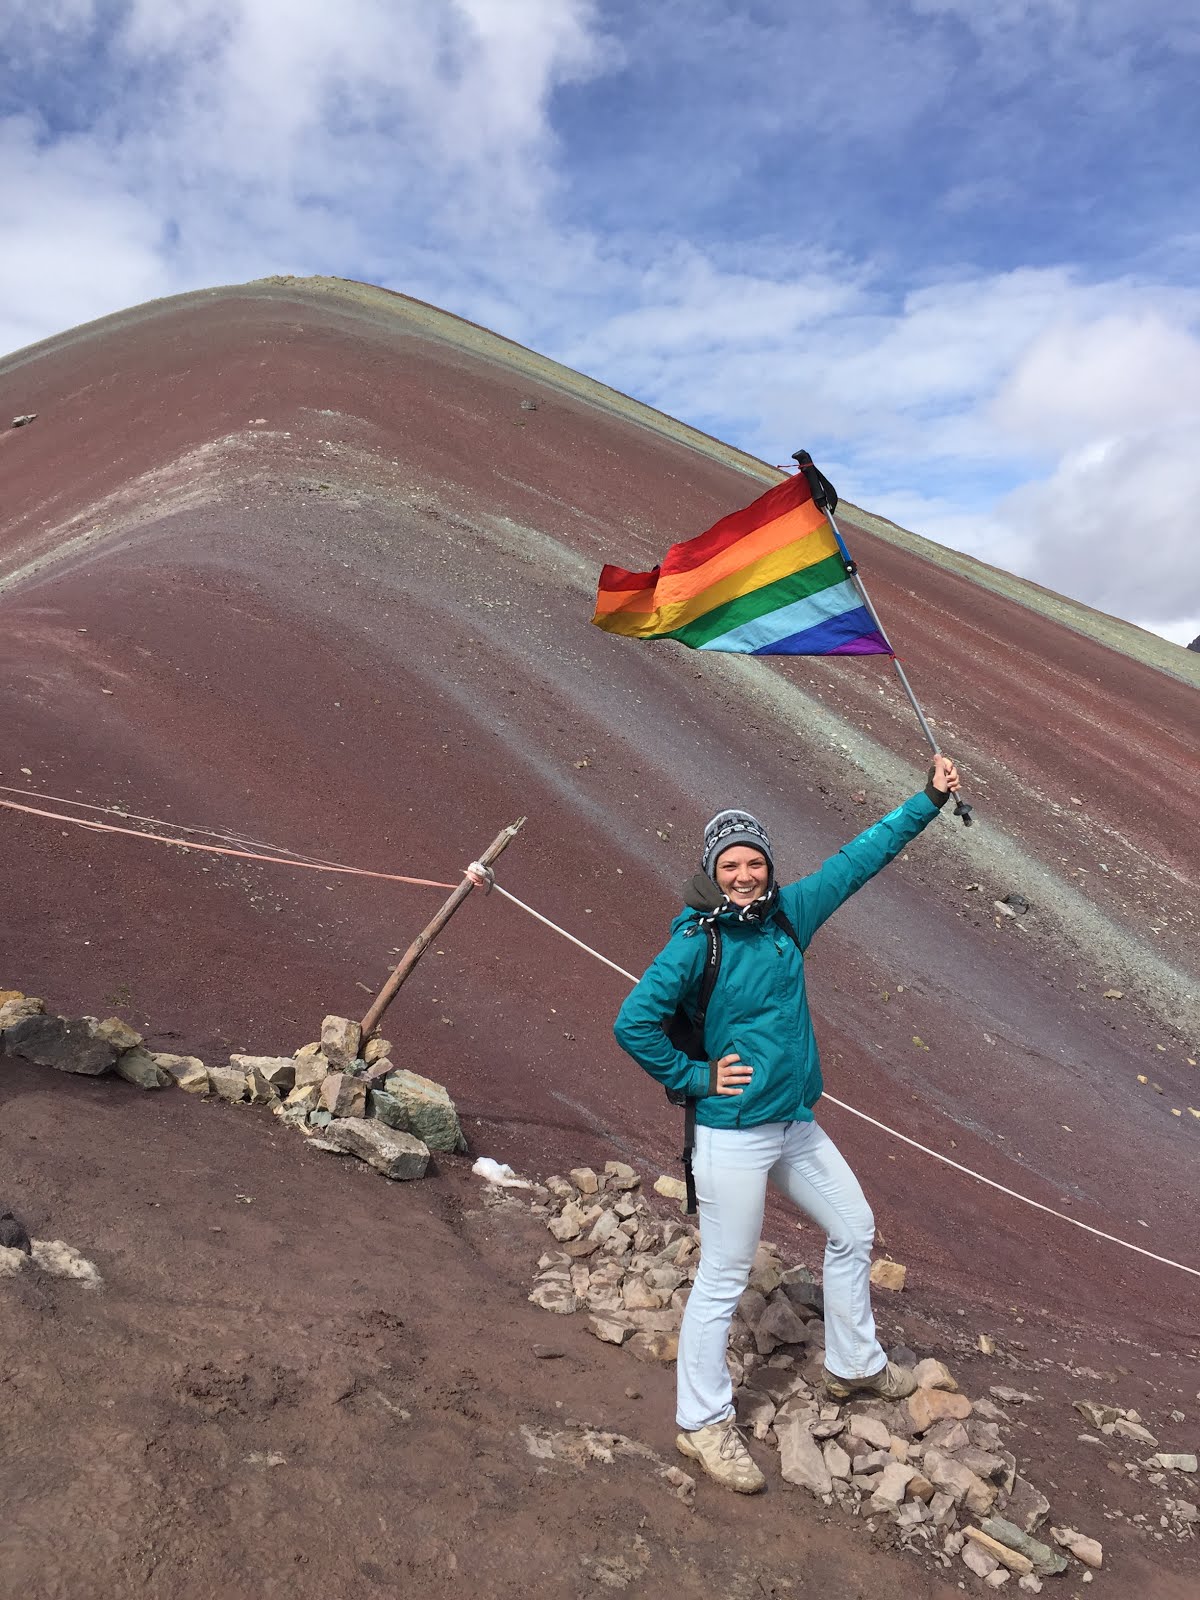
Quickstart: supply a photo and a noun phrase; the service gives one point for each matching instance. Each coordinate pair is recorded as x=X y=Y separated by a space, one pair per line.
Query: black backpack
x=685 y=1030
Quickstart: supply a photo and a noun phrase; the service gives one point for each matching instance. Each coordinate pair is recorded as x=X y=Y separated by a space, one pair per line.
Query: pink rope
x=223 y=850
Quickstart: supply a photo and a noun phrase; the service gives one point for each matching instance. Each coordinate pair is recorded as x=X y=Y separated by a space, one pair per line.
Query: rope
x=883 y=1127
x=222 y=850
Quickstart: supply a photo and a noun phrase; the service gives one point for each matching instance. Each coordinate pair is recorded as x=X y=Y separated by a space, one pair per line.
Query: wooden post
x=430 y=932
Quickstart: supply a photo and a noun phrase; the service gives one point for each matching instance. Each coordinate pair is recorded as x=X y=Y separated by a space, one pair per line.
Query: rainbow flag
x=766 y=581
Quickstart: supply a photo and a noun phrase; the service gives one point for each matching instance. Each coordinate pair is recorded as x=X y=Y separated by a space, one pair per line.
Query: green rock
x=428 y=1109
x=139 y=1067
x=385 y=1107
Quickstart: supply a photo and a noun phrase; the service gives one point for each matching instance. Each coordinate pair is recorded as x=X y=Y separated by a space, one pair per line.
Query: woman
x=754 y=1110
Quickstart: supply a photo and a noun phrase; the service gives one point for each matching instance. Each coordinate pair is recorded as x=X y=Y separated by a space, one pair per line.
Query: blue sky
x=951 y=247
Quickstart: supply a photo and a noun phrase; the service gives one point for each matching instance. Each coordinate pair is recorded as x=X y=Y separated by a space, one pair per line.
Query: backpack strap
x=785 y=922
x=708 y=979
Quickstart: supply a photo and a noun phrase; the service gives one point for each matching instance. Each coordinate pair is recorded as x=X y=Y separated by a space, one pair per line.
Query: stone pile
x=344 y=1094
x=934 y=1467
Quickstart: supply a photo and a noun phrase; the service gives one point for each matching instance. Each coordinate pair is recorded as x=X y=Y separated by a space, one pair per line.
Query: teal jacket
x=758 y=1006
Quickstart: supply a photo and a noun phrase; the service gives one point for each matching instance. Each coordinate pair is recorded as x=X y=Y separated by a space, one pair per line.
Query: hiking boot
x=722 y=1453
x=889 y=1383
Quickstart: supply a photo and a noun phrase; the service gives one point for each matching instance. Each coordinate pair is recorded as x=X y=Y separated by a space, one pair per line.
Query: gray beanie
x=728 y=828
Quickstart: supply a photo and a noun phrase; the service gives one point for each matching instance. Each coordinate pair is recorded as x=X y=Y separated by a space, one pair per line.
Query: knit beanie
x=728 y=828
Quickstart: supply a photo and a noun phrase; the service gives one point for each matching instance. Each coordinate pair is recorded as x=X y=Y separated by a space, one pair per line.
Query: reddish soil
x=358 y=629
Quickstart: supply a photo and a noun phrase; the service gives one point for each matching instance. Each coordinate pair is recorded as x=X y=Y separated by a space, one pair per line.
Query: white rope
x=882 y=1126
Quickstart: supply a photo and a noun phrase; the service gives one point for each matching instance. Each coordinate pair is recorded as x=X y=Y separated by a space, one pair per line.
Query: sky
x=949 y=246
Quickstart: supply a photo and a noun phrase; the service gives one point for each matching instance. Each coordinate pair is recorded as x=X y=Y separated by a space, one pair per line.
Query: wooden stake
x=430 y=932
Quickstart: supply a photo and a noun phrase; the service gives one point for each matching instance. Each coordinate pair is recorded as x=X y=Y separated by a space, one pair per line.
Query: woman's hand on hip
x=729 y=1075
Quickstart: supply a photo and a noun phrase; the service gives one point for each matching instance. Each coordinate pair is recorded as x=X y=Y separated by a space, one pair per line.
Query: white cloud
x=1024 y=415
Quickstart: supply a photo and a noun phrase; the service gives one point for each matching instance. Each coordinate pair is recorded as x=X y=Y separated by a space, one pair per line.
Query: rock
x=376 y=1050
x=11 y=1261
x=920 y=1488
x=55 y=1042
x=941 y=1509
x=343 y=1095
x=608 y=1329
x=1040 y=1556
x=258 y=1091
x=585 y=1180
x=1087 y=1550
x=1135 y=1431
x=684 y=1487
x=928 y=1406
x=948 y=1435
x=1027 y=1507
x=310 y=1069
x=555 y=1295
x=803 y=1291
x=888 y=1275
x=837 y=1462
x=1175 y=1461
x=801 y=1461
x=931 y=1374
x=397 y=1155
x=872 y=1430
x=1010 y=1397
x=1012 y=1559
x=139 y=1067
x=340 y=1041
x=978 y=1561
x=670 y=1188
x=755 y=1410
x=637 y=1295
x=944 y=1472
x=778 y=1324
x=765 y=1272
x=17 y=1007
x=187 y=1072
x=14 y=1235
x=1095 y=1413
x=568 y=1224
x=620 y=1175
x=657 y=1346
x=1030 y=1584
x=277 y=1071
x=992 y=1469
x=228 y=1084
x=386 y=1108
x=306 y=1097
x=119 y=1034
x=891 y=1487
x=431 y=1114
x=24 y=419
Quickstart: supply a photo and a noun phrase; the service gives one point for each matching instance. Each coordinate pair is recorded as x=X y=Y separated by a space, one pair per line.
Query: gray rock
x=117 y=1033
x=14 y=1235
x=343 y=1095
x=779 y=1324
x=1027 y=1507
x=227 y=1084
x=188 y=1072
x=311 y=1069
x=430 y=1110
x=139 y=1067
x=278 y=1071
x=800 y=1458
x=1176 y=1461
x=340 y=1040
x=17 y=1007
x=1045 y=1561
x=384 y=1107
x=397 y=1155
x=55 y=1042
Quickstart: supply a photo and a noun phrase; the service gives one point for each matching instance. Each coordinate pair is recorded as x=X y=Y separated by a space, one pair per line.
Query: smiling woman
x=754 y=1107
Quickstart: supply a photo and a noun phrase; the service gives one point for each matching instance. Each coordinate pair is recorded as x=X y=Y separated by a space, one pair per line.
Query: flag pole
x=823 y=493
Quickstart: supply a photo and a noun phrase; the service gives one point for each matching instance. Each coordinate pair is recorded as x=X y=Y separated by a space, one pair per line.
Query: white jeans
x=732 y=1166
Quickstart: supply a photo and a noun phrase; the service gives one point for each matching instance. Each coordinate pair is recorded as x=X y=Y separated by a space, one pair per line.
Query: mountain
x=312 y=563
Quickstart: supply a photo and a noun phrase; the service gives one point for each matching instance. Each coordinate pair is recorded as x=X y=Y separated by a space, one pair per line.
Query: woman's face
x=742 y=874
